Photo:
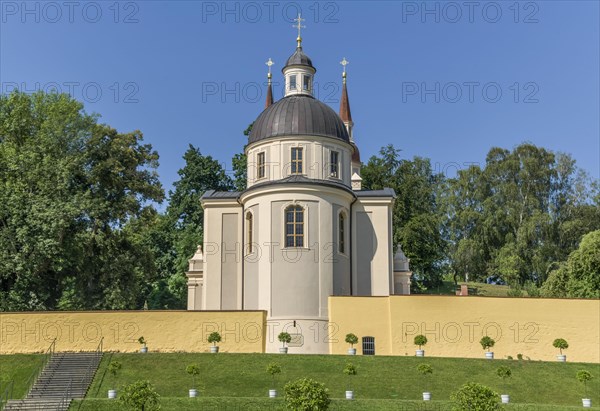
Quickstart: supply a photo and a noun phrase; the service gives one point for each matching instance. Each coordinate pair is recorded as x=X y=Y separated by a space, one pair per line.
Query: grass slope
x=265 y=404
x=17 y=368
x=379 y=377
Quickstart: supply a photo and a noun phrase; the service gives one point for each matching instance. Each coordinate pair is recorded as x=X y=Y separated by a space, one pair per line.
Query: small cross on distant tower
x=269 y=63
x=344 y=63
x=299 y=26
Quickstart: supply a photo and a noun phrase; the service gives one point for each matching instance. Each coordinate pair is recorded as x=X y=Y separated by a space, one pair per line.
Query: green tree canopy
x=68 y=186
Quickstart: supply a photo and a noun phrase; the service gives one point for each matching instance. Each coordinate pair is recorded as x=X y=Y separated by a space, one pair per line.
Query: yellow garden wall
x=165 y=331
x=454 y=325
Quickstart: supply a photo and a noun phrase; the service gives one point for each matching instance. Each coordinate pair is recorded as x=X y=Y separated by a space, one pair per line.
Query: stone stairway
x=67 y=376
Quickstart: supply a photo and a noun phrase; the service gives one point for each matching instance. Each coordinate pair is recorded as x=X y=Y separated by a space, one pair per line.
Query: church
x=303 y=229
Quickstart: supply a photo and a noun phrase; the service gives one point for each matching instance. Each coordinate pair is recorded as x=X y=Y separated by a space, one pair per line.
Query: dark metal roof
x=298 y=114
x=212 y=194
x=299 y=59
x=386 y=192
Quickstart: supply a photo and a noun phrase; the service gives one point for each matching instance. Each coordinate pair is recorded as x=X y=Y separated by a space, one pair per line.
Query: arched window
x=249 y=232
x=294 y=226
x=342 y=233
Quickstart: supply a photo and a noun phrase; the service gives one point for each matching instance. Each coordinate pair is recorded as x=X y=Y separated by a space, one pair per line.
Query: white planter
x=561 y=358
x=426 y=396
x=420 y=353
x=349 y=395
x=283 y=350
x=489 y=355
x=214 y=349
x=112 y=394
x=351 y=351
x=587 y=402
x=144 y=350
x=272 y=393
x=505 y=398
x=193 y=393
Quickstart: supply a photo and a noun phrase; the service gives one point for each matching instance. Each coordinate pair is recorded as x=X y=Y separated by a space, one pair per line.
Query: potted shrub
x=194 y=371
x=584 y=376
x=561 y=344
x=144 y=348
x=425 y=370
x=420 y=340
x=273 y=369
x=350 y=370
x=504 y=373
x=113 y=369
x=487 y=343
x=213 y=338
x=351 y=339
x=284 y=338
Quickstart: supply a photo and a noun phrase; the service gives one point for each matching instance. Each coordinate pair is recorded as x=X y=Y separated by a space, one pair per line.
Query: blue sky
x=444 y=80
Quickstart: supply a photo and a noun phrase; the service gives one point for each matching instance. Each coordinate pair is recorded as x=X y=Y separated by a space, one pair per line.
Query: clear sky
x=444 y=80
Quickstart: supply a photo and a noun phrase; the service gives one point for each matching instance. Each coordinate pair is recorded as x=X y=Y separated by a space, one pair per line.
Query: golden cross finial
x=270 y=63
x=299 y=26
x=344 y=63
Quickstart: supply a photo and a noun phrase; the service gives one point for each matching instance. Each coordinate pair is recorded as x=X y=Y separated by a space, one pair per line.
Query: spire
x=345 y=113
x=269 y=101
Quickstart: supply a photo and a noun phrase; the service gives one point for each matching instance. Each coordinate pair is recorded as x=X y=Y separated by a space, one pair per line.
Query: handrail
x=93 y=364
x=7 y=394
x=37 y=370
x=67 y=397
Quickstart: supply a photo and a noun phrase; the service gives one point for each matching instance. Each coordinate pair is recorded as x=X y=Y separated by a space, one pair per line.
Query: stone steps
x=66 y=376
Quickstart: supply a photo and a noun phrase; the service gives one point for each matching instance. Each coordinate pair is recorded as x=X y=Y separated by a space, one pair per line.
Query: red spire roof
x=345 y=114
x=269 y=95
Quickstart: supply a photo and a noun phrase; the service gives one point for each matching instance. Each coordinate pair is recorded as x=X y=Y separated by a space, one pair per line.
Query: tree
x=351 y=339
x=140 y=395
x=473 y=396
x=68 y=188
x=519 y=215
x=273 y=369
x=194 y=371
x=579 y=276
x=174 y=236
x=584 y=376
x=417 y=217
x=306 y=394
x=240 y=165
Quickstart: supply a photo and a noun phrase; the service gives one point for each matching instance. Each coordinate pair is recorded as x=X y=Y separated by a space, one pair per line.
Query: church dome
x=299 y=114
x=299 y=59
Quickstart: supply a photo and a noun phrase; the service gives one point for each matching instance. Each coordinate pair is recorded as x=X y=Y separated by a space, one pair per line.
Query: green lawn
x=380 y=378
x=266 y=404
x=17 y=367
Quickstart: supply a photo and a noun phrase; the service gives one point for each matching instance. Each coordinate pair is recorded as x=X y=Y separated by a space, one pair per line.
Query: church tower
x=299 y=233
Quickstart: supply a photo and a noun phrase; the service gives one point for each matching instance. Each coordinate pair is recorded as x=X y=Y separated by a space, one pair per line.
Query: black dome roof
x=299 y=59
x=298 y=115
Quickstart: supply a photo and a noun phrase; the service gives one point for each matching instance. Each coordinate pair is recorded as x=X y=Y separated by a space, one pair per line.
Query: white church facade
x=303 y=230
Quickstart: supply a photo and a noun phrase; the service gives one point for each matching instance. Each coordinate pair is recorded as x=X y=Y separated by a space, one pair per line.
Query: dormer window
x=306 y=83
x=292 y=82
